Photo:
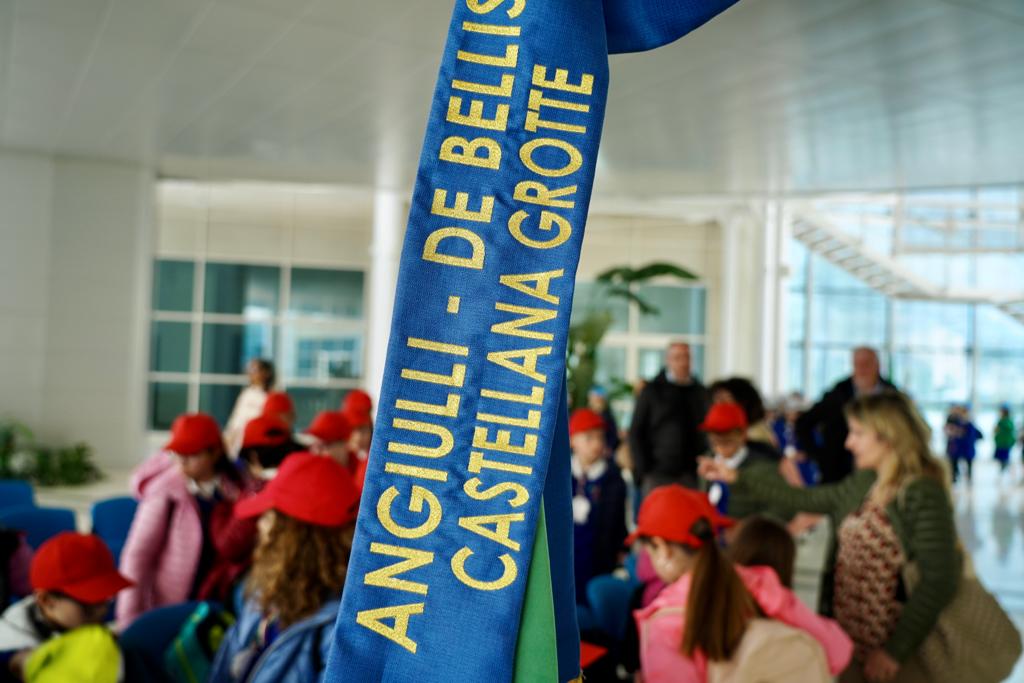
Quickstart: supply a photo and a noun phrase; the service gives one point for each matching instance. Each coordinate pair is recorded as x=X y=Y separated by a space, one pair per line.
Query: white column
x=390 y=212
x=96 y=326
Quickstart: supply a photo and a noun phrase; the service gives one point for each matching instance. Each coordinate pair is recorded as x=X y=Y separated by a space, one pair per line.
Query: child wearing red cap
x=330 y=432
x=726 y=427
x=175 y=550
x=598 y=503
x=306 y=522
x=357 y=409
x=73 y=581
x=280 y=405
x=707 y=623
x=266 y=441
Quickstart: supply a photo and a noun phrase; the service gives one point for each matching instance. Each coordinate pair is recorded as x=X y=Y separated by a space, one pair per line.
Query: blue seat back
x=146 y=640
x=609 y=598
x=111 y=520
x=39 y=524
x=15 y=493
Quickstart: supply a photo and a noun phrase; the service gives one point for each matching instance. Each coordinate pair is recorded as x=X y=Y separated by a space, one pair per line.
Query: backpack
x=189 y=657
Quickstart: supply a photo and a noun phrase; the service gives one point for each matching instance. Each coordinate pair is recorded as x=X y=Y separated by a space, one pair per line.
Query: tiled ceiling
x=773 y=96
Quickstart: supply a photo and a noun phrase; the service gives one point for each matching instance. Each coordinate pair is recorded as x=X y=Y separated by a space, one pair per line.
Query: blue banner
x=473 y=384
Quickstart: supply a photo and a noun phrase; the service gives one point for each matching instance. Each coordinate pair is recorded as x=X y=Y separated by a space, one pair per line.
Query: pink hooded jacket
x=661 y=627
x=161 y=554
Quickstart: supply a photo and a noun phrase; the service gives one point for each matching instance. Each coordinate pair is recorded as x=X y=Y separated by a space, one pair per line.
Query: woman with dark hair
x=743 y=392
x=249 y=404
x=306 y=523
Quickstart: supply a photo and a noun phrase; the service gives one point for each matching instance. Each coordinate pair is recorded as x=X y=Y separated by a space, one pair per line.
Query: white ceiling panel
x=773 y=96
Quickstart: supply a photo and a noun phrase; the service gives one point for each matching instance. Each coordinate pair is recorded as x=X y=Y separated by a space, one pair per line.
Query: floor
x=989 y=515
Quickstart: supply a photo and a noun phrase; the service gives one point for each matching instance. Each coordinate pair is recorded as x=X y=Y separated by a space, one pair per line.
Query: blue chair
x=111 y=520
x=146 y=640
x=609 y=598
x=15 y=493
x=39 y=524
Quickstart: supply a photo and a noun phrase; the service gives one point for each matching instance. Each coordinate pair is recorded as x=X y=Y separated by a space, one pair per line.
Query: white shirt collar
x=735 y=461
x=203 y=489
x=595 y=472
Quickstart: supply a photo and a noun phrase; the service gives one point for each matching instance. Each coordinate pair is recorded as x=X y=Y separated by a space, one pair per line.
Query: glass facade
x=210 y=319
x=941 y=352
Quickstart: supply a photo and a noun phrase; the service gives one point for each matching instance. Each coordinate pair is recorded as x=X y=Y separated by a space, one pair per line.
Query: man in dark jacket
x=665 y=438
x=822 y=430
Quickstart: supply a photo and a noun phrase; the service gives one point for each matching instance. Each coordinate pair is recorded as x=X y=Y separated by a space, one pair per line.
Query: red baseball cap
x=357 y=401
x=583 y=420
x=669 y=512
x=357 y=418
x=278 y=403
x=267 y=430
x=724 y=417
x=79 y=566
x=194 y=433
x=311 y=488
x=330 y=427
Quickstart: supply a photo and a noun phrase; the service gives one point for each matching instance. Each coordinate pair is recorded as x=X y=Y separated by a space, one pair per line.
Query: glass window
x=218 y=400
x=1000 y=376
x=796 y=315
x=680 y=309
x=652 y=361
x=326 y=293
x=795 y=368
x=172 y=285
x=848 y=319
x=828 y=276
x=938 y=376
x=827 y=366
x=311 y=351
x=611 y=365
x=593 y=296
x=241 y=289
x=798 y=256
x=931 y=324
x=310 y=401
x=227 y=348
x=997 y=330
x=167 y=400
x=169 y=346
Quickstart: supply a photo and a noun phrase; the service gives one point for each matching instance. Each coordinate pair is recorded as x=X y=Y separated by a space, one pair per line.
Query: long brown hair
x=719 y=606
x=893 y=417
x=761 y=541
x=299 y=567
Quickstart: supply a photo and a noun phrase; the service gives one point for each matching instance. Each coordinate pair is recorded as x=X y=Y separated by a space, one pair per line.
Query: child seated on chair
x=761 y=541
x=73 y=581
x=306 y=522
x=718 y=621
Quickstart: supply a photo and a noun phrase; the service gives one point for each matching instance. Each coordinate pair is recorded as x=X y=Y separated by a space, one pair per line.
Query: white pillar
x=390 y=212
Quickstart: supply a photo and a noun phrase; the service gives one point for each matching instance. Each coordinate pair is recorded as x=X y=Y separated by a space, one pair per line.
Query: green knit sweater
x=922 y=518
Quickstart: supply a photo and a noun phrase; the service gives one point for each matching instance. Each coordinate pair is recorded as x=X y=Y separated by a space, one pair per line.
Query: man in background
x=822 y=430
x=665 y=437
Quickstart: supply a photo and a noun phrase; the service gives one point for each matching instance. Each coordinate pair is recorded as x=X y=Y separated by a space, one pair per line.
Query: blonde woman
x=895 y=508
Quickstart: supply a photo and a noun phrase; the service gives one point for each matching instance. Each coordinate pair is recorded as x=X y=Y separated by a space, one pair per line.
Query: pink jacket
x=661 y=627
x=161 y=554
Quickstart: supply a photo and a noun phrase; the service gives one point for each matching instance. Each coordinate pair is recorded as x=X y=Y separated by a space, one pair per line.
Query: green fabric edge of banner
x=536 y=652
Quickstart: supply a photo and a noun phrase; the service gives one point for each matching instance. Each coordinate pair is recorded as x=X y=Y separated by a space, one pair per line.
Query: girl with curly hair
x=306 y=522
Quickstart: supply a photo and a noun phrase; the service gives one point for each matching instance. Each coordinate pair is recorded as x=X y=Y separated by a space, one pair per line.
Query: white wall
x=26 y=195
x=74 y=281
